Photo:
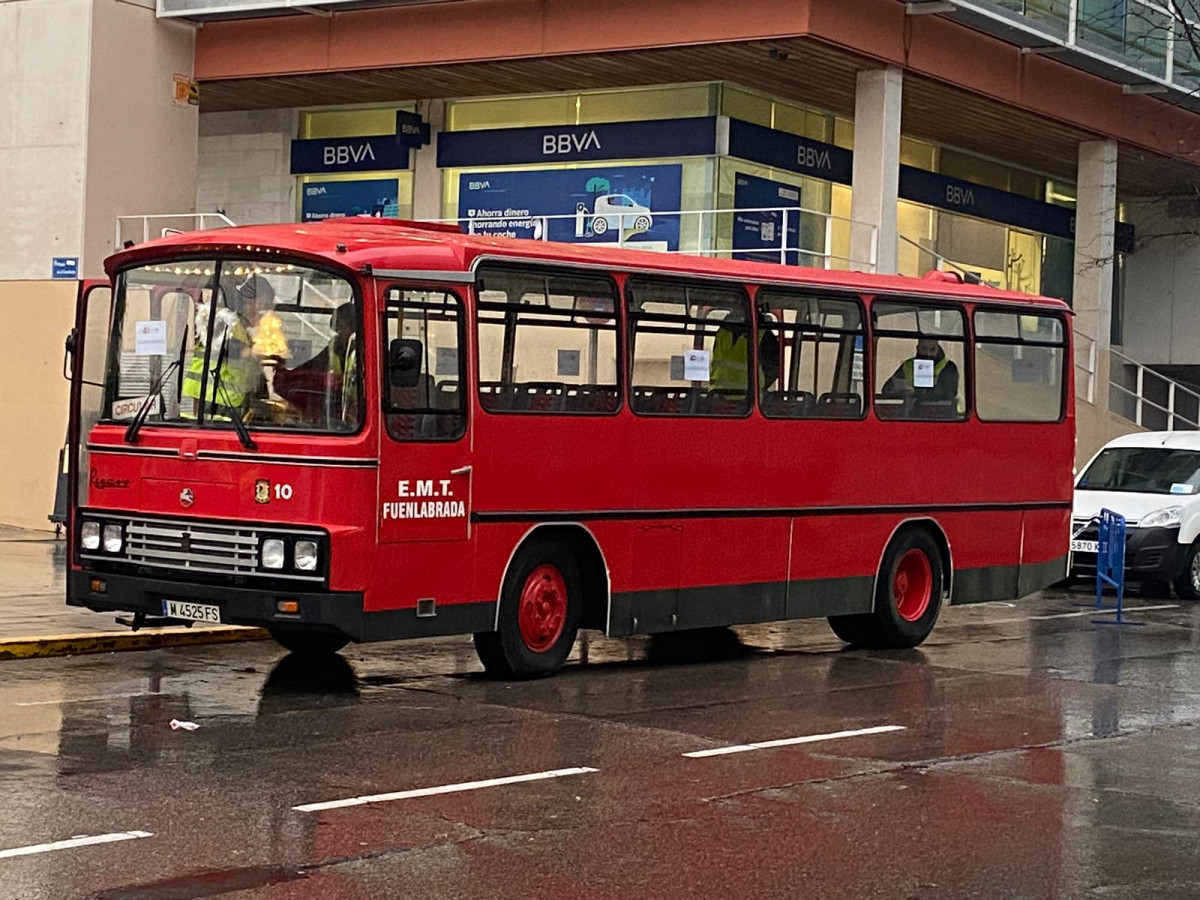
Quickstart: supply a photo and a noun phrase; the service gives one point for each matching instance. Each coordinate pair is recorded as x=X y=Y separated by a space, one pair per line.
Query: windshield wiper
x=139 y=418
x=239 y=426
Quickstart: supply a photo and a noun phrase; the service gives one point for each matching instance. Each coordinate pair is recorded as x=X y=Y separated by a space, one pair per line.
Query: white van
x=1153 y=480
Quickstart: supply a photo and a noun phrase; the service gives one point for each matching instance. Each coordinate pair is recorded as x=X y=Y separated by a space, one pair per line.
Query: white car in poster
x=620 y=211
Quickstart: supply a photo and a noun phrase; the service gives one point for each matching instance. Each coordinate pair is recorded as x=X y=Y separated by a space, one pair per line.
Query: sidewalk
x=34 y=617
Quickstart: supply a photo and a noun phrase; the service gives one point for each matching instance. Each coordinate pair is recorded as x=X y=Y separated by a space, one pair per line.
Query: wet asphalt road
x=1034 y=755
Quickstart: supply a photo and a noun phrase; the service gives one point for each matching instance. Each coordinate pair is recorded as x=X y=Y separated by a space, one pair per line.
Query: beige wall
x=34 y=411
x=43 y=124
x=1095 y=427
x=141 y=145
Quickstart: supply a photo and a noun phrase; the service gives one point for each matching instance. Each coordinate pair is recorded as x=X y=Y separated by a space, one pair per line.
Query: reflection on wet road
x=1022 y=752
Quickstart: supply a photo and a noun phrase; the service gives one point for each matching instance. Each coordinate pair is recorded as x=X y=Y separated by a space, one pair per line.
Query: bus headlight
x=273 y=554
x=89 y=535
x=114 y=538
x=306 y=556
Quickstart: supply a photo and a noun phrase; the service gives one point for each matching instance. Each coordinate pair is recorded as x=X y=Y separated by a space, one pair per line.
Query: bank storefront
x=696 y=168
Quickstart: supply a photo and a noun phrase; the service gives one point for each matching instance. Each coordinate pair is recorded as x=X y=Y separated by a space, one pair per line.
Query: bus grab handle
x=461 y=470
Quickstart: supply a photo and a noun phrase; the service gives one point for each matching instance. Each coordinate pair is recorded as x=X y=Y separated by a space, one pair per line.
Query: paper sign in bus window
x=923 y=373
x=696 y=366
x=150 y=338
x=568 y=363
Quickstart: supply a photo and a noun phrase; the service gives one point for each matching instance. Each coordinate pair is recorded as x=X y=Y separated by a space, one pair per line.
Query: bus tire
x=540 y=604
x=309 y=643
x=1187 y=583
x=908 y=596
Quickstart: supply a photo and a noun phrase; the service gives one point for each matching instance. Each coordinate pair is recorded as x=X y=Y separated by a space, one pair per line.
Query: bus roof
x=392 y=244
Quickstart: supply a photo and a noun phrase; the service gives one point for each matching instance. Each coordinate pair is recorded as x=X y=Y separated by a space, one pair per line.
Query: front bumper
x=1151 y=554
x=319 y=610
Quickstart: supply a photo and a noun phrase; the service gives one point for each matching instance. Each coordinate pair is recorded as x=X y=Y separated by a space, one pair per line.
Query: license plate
x=1085 y=546
x=197 y=612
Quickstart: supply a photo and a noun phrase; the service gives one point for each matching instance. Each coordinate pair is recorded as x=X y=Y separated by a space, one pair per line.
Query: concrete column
x=427 y=178
x=1095 y=228
x=876 y=176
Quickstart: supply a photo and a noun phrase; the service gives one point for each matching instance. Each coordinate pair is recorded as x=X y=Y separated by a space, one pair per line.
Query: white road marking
x=788 y=742
x=82 y=841
x=442 y=789
x=1092 y=610
x=91 y=699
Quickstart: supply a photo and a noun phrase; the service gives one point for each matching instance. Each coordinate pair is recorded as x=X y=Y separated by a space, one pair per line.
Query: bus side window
x=820 y=367
x=920 y=361
x=424 y=371
x=689 y=348
x=1019 y=367
x=547 y=342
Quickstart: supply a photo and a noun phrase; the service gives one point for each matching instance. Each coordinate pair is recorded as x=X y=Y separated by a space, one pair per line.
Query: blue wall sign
x=330 y=199
x=324 y=156
x=790 y=152
x=64 y=267
x=572 y=143
x=600 y=204
x=816 y=159
x=411 y=129
x=760 y=235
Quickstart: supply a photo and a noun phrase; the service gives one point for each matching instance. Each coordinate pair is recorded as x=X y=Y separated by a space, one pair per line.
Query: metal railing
x=1085 y=367
x=1150 y=400
x=788 y=235
x=139 y=229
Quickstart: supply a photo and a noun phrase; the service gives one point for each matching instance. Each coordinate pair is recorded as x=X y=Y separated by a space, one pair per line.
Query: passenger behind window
x=729 y=363
x=313 y=384
x=930 y=387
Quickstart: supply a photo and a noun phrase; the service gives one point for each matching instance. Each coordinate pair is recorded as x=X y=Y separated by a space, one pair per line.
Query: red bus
x=368 y=430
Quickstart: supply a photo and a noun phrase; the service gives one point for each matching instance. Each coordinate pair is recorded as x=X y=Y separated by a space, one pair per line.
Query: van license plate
x=1085 y=546
x=197 y=612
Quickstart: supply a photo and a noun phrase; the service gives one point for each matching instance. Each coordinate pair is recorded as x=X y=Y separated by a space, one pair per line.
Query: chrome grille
x=187 y=545
x=192 y=546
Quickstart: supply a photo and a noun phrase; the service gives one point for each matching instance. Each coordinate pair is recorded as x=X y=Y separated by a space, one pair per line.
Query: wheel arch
x=934 y=529
x=593 y=569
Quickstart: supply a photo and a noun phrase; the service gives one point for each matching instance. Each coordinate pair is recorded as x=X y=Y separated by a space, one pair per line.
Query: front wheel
x=908 y=597
x=309 y=643
x=540 y=605
x=1187 y=583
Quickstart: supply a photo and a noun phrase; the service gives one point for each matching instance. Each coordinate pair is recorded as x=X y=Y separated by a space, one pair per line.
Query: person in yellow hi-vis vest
x=928 y=379
x=729 y=365
x=230 y=360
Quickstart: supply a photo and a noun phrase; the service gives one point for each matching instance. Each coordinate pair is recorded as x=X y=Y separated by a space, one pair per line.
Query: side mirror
x=404 y=363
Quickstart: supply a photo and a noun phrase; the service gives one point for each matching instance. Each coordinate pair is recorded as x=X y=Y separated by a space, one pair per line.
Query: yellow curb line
x=107 y=642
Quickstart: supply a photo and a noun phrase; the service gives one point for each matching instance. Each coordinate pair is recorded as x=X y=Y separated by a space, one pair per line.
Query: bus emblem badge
x=186 y=497
x=262 y=491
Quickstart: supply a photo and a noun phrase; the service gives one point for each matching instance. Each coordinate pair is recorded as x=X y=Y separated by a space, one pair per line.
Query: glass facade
x=385 y=193
x=1155 y=38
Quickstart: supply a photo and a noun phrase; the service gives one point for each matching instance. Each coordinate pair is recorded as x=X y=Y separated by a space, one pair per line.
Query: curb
x=110 y=642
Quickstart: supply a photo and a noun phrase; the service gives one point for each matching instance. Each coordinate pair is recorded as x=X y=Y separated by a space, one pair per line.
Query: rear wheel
x=908 y=597
x=309 y=643
x=540 y=605
x=1187 y=584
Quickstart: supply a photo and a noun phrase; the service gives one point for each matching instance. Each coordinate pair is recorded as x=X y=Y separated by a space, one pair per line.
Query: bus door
x=86 y=359
x=424 y=459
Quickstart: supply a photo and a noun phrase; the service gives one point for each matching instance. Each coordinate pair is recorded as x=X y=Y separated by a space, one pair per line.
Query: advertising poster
x=368 y=197
x=597 y=205
x=759 y=235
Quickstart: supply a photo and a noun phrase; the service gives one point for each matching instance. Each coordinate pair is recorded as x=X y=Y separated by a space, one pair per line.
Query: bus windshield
x=204 y=341
x=1147 y=470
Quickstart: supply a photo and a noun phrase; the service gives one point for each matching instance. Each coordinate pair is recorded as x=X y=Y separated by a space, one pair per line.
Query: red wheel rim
x=542 y=610
x=912 y=585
